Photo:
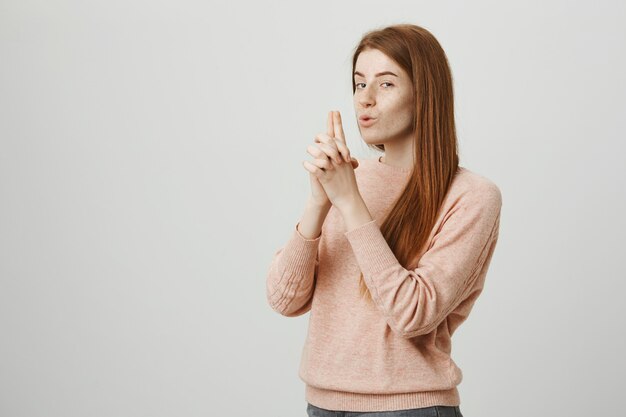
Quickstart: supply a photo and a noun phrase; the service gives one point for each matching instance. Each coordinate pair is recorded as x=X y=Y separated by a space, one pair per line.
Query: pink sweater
x=396 y=353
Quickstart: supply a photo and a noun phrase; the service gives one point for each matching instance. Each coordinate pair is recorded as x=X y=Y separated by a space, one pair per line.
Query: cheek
x=405 y=110
x=400 y=112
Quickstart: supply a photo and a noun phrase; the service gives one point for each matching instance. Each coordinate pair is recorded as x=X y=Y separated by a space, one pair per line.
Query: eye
x=357 y=84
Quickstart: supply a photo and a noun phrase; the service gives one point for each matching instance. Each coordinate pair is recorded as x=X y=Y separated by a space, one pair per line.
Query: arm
x=416 y=301
x=293 y=270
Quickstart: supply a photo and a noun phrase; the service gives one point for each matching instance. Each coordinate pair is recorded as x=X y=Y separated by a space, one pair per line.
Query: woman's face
x=386 y=98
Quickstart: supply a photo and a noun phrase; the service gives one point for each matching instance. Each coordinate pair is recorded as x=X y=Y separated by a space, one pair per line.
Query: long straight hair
x=413 y=215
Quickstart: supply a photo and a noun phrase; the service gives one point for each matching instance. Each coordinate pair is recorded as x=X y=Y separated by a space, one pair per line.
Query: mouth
x=366 y=121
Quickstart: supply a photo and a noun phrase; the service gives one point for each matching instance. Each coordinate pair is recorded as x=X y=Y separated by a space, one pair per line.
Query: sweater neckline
x=392 y=168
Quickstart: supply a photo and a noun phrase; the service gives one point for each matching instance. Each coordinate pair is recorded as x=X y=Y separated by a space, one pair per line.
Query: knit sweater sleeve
x=416 y=301
x=292 y=273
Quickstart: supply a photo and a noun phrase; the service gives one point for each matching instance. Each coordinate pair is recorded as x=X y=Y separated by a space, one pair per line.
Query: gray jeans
x=434 y=411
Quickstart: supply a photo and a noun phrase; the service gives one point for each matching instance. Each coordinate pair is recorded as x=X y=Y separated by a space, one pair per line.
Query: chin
x=370 y=140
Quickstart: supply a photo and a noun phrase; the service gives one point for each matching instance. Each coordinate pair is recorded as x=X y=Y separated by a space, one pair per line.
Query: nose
x=365 y=97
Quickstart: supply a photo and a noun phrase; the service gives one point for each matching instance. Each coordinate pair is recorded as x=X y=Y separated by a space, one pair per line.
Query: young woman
x=391 y=253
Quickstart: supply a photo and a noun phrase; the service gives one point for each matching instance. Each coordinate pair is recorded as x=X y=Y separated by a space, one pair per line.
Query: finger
x=318 y=153
x=308 y=166
x=338 y=132
x=319 y=156
x=330 y=130
x=331 y=146
x=343 y=149
x=331 y=152
x=322 y=164
x=312 y=168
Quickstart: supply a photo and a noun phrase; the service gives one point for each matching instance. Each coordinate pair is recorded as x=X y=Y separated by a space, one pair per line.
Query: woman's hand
x=318 y=194
x=332 y=180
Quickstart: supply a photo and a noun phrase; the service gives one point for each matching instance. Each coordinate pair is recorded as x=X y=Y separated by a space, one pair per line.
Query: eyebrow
x=377 y=75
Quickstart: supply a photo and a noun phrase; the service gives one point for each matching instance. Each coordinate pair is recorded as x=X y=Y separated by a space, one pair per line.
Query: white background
x=151 y=164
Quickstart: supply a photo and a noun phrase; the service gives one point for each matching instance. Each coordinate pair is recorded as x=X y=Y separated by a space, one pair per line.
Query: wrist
x=355 y=213
x=350 y=204
x=316 y=205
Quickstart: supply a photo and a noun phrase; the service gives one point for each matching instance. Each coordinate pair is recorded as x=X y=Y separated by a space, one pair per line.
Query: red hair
x=413 y=215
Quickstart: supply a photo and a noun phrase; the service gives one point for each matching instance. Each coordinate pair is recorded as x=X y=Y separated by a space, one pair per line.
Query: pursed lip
x=365 y=117
x=366 y=122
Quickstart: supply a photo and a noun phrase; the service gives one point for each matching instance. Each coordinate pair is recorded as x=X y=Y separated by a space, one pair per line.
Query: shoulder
x=470 y=188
